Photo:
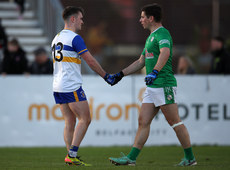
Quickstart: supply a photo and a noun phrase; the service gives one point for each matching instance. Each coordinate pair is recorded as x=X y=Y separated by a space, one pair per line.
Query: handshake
x=113 y=79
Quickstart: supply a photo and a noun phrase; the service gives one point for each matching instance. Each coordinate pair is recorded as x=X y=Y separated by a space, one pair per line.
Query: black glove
x=109 y=79
x=118 y=77
x=149 y=79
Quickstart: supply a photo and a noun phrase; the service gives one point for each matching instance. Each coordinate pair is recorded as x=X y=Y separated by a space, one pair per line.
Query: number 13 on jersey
x=57 y=48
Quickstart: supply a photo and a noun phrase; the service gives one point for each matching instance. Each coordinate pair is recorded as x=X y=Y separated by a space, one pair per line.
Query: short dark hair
x=220 y=39
x=39 y=51
x=153 y=10
x=14 y=42
x=71 y=10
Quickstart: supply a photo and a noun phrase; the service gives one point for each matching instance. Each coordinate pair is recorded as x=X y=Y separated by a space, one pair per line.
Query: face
x=12 y=47
x=182 y=63
x=41 y=58
x=145 y=21
x=78 y=21
x=215 y=45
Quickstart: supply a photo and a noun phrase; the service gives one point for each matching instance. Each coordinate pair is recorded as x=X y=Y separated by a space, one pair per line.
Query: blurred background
x=201 y=35
x=112 y=31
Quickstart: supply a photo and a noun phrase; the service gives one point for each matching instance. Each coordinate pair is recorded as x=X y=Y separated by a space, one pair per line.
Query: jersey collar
x=157 y=29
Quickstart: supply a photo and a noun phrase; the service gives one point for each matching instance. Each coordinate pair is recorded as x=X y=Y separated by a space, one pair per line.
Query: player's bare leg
x=147 y=113
x=81 y=110
x=70 y=122
x=170 y=112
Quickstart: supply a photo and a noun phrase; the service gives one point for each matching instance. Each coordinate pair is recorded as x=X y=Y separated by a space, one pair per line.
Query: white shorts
x=160 y=96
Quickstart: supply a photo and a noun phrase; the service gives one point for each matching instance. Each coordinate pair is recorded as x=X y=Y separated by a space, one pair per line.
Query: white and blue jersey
x=67 y=46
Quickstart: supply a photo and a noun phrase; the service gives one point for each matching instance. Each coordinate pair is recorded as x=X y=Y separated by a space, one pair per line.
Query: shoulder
x=78 y=40
x=164 y=32
x=65 y=36
x=163 y=35
x=79 y=45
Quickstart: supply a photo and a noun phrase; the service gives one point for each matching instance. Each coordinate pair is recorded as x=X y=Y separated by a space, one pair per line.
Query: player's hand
x=149 y=79
x=118 y=77
x=109 y=79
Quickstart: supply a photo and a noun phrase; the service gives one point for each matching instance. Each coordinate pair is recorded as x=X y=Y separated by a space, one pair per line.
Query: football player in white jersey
x=67 y=50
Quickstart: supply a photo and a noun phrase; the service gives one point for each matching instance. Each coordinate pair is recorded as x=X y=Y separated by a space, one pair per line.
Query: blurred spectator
x=185 y=66
x=21 y=7
x=96 y=40
x=204 y=59
x=42 y=64
x=14 y=61
x=220 y=57
x=3 y=42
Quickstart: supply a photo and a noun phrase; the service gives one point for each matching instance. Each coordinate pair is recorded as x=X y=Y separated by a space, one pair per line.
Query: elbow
x=141 y=63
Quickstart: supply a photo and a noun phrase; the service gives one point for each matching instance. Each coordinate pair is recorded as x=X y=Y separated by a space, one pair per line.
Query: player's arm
x=93 y=64
x=162 y=59
x=79 y=46
x=164 y=46
x=135 y=66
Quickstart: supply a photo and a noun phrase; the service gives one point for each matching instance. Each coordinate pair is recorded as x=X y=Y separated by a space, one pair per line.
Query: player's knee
x=86 y=121
x=142 y=122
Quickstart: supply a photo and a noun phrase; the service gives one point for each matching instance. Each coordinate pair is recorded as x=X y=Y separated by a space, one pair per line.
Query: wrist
x=122 y=74
x=155 y=71
x=106 y=76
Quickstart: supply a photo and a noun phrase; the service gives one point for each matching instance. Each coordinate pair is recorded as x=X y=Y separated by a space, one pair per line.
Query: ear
x=72 y=18
x=151 y=18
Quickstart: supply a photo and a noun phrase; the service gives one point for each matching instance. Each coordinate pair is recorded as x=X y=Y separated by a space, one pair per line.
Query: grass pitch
x=157 y=157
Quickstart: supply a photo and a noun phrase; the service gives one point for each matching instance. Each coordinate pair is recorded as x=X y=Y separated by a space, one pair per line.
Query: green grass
x=162 y=157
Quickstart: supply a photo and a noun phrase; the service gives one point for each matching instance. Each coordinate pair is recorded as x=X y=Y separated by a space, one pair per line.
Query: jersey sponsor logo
x=164 y=41
x=148 y=55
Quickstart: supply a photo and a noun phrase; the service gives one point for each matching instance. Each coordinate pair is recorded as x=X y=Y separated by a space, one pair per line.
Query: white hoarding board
x=29 y=116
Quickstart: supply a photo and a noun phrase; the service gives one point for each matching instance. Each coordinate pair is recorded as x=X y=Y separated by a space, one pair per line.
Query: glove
x=151 y=77
x=109 y=79
x=118 y=77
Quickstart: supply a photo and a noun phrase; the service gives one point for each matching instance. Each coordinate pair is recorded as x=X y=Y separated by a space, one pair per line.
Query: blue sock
x=73 y=151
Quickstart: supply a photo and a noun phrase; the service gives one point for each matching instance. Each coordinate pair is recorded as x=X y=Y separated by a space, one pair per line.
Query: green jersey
x=158 y=39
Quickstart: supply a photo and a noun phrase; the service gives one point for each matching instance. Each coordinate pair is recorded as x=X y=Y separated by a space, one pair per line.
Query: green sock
x=188 y=153
x=133 y=153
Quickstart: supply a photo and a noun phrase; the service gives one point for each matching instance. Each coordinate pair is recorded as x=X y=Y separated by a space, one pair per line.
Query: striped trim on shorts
x=69 y=97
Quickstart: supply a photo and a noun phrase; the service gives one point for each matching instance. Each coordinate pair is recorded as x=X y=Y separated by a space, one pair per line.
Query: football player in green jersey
x=161 y=87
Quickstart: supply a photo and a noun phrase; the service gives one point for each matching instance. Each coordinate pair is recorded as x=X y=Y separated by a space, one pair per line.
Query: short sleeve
x=79 y=45
x=164 y=40
x=143 y=52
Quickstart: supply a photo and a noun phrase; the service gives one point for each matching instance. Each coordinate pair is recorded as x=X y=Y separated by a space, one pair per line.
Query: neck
x=155 y=26
x=67 y=27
